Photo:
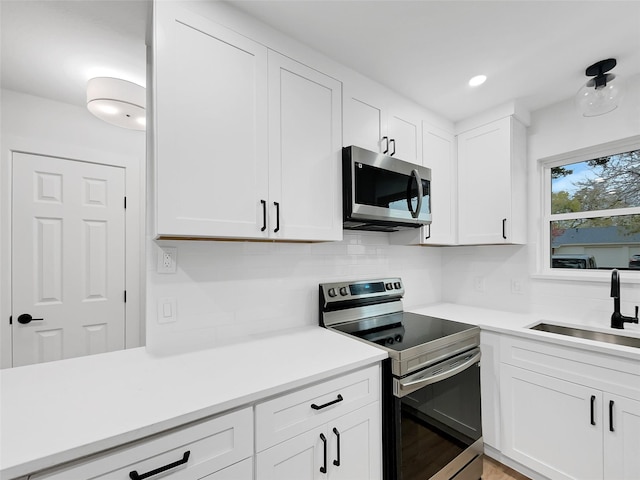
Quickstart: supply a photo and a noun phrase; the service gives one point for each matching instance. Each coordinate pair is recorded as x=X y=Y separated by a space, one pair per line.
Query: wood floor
x=494 y=470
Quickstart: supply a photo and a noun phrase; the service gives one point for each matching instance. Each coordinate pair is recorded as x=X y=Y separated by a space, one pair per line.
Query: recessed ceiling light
x=477 y=80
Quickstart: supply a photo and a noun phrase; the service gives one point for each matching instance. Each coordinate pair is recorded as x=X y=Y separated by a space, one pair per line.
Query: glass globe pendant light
x=602 y=93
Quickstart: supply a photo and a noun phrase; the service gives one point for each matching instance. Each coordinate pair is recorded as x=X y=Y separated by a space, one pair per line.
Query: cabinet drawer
x=212 y=445
x=291 y=414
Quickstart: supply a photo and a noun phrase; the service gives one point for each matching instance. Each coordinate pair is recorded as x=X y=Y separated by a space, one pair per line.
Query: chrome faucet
x=617 y=319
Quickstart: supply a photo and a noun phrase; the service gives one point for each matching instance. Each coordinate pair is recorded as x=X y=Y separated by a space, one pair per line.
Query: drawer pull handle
x=320 y=407
x=134 y=475
x=336 y=462
x=323 y=469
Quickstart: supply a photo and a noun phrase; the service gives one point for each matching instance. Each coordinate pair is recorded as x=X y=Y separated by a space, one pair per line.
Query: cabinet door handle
x=593 y=409
x=336 y=462
x=393 y=140
x=277 y=229
x=386 y=148
x=611 y=429
x=320 y=407
x=264 y=215
x=428 y=234
x=323 y=468
x=134 y=475
x=504 y=228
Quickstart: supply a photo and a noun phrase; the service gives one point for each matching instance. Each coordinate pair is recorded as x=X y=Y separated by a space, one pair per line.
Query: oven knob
x=397 y=285
x=389 y=341
x=343 y=291
x=332 y=292
x=398 y=338
x=388 y=286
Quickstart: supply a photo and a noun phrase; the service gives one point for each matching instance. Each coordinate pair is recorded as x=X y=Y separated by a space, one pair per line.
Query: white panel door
x=552 y=426
x=305 y=133
x=210 y=98
x=621 y=438
x=68 y=258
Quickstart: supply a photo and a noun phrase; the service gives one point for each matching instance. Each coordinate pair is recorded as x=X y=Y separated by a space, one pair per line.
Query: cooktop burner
x=402 y=330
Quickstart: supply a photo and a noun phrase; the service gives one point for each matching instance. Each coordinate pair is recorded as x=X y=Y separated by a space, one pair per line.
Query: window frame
x=546 y=217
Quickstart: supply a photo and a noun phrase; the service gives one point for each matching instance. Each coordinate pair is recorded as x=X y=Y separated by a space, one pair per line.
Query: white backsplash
x=230 y=290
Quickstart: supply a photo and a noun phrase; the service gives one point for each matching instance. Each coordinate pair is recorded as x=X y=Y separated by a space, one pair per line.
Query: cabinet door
x=364 y=119
x=305 y=138
x=484 y=183
x=299 y=458
x=209 y=126
x=551 y=426
x=621 y=438
x=404 y=127
x=356 y=443
x=438 y=153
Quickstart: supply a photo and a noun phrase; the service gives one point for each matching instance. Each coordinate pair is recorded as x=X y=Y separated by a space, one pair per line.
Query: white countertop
x=519 y=323
x=55 y=412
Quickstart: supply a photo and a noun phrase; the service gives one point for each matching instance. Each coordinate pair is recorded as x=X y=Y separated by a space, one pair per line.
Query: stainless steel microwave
x=383 y=193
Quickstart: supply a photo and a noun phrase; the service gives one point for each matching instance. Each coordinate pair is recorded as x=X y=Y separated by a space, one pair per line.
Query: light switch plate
x=167 y=311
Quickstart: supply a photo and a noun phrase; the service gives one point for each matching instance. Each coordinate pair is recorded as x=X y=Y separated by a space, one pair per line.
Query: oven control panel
x=361 y=290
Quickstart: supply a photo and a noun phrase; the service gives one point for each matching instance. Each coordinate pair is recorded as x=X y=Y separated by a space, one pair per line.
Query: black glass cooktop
x=403 y=330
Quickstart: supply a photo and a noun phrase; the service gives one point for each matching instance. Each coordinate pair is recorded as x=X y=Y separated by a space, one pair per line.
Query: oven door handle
x=408 y=385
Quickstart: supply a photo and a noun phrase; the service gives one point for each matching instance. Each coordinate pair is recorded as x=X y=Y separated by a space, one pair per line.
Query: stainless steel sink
x=588 y=334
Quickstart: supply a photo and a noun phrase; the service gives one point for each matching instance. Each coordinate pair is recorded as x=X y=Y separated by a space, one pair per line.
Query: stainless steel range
x=431 y=381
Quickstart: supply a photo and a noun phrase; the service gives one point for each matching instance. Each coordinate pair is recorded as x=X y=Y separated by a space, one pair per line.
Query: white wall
x=230 y=290
x=554 y=130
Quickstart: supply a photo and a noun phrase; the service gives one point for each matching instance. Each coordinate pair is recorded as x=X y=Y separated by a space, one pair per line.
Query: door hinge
x=125 y=202
x=125 y=296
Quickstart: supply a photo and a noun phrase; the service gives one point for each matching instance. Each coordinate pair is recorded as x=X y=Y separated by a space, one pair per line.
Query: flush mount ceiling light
x=117 y=102
x=477 y=80
x=602 y=93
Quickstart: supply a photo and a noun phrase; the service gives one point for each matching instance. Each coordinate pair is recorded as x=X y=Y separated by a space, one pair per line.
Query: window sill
x=599 y=276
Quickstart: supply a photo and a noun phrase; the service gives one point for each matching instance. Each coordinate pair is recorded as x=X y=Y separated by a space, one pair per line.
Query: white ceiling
x=532 y=51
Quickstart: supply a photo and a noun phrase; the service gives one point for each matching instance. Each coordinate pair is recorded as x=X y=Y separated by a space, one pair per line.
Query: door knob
x=26 y=318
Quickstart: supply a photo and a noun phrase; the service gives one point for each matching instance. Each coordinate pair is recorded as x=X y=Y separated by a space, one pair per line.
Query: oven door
x=438 y=411
x=383 y=188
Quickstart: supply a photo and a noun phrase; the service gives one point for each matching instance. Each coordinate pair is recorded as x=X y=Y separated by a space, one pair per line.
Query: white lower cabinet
x=219 y=448
x=330 y=430
x=547 y=425
x=345 y=448
x=561 y=415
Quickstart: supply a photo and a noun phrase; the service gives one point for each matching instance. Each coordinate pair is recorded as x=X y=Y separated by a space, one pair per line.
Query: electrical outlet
x=479 y=284
x=516 y=286
x=167 y=259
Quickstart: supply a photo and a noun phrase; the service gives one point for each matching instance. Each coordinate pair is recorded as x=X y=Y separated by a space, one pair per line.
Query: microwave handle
x=416 y=176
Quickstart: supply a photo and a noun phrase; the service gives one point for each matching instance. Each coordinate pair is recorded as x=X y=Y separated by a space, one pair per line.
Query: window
x=592 y=209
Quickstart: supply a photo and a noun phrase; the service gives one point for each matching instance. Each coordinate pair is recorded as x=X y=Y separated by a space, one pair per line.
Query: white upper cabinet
x=305 y=139
x=210 y=128
x=381 y=124
x=492 y=184
x=241 y=150
x=439 y=154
